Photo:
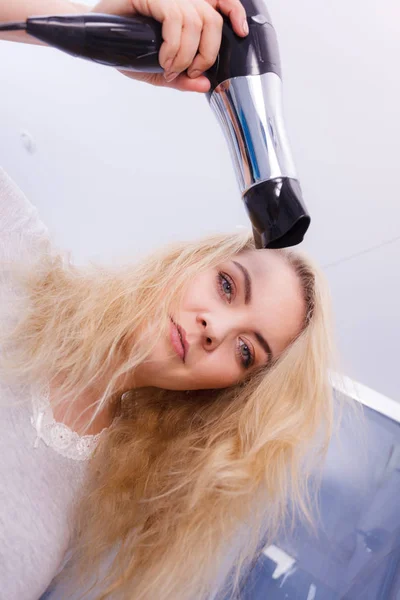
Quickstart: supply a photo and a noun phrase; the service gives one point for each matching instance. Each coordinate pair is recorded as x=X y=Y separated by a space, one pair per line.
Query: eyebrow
x=247 y=298
x=265 y=346
x=247 y=281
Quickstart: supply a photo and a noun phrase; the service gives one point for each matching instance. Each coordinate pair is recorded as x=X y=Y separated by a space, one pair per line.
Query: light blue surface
x=356 y=555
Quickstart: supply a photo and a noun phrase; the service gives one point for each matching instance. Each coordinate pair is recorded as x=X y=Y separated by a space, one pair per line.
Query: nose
x=211 y=334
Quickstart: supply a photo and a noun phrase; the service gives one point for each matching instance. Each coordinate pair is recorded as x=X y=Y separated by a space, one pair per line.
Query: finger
x=190 y=40
x=210 y=43
x=171 y=34
x=237 y=15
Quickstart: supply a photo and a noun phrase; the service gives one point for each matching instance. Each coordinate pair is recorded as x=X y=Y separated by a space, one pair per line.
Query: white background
x=119 y=167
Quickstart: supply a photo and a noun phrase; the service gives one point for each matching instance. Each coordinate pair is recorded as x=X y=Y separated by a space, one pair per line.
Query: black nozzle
x=277 y=213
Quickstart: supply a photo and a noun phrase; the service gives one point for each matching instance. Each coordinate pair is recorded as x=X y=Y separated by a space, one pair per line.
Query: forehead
x=277 y=304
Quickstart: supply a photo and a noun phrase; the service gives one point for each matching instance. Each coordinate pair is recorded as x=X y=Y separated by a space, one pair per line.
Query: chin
x=175 y=385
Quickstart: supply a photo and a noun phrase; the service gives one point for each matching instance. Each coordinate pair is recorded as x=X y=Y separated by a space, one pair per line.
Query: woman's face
x=233 y=319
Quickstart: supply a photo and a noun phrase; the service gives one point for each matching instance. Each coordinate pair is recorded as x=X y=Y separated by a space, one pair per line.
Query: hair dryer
x=245 y=95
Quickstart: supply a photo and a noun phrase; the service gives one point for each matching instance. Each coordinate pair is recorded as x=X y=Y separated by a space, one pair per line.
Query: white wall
x=120 y=167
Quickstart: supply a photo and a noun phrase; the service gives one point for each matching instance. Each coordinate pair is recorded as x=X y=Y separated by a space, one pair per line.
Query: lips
x=178 y=340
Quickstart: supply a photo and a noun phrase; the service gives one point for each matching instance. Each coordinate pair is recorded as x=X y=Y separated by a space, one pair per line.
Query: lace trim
x=56 y=435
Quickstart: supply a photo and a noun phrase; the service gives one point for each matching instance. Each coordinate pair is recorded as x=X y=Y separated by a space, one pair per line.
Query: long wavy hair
x=183 y=486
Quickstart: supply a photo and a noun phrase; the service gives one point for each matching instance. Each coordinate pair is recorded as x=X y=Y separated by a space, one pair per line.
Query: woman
x=154 y=411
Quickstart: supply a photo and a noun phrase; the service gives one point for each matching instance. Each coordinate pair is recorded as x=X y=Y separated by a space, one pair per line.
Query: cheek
x=199 y=292
x=218 y=369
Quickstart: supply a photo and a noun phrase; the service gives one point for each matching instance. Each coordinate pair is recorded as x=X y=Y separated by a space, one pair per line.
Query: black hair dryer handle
x=130 y=43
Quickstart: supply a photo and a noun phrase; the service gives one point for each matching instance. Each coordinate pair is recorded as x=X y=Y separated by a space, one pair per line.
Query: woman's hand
x=192 y=32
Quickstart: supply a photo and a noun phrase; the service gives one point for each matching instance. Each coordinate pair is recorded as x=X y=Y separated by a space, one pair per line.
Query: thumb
x=182 y=83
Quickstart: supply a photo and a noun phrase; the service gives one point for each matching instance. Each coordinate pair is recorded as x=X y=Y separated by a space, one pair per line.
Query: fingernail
x=170 y=76
x=168 y=64
x=245 y=27
x=194 y=74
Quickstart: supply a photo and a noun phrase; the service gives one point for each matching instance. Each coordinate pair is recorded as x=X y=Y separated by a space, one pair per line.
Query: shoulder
x=38 y=493
x=22 y=232
x=15 y=208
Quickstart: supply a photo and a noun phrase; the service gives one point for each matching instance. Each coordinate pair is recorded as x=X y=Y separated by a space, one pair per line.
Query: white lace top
x=56 y=435
x=43 y=463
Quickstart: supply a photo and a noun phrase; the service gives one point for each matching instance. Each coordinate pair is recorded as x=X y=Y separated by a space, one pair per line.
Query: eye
x=226 y=286
x=246 y=354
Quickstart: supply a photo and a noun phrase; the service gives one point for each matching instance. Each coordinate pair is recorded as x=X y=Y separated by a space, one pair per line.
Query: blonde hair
x=178 y=474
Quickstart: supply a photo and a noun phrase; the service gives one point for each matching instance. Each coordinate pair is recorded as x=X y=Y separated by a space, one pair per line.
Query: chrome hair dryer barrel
x=245 y=94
